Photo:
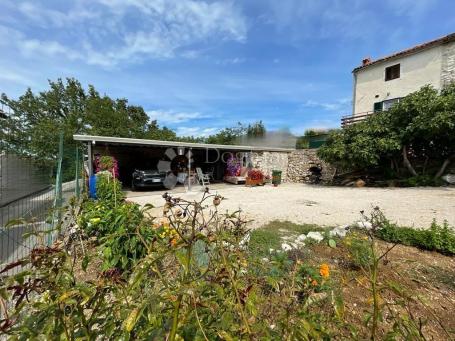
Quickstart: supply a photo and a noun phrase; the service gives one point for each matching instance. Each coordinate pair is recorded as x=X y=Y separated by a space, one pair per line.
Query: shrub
x=436 y=238
x=108 y=188
x=195 y=282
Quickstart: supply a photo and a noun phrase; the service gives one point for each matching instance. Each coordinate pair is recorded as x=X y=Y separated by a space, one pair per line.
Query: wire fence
x=31 y=198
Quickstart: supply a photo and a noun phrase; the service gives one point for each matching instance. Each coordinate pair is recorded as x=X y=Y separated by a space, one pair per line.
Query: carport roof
x=159 y=143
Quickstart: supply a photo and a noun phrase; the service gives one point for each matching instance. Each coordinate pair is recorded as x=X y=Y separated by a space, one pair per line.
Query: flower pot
x=254 y=182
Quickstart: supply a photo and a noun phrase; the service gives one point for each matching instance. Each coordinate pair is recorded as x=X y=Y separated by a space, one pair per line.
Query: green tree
x=35 y=121
x=418 y=133
x=228 y=136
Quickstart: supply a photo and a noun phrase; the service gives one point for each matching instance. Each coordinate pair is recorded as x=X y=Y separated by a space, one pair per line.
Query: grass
x=271 y=235
x=425 y=277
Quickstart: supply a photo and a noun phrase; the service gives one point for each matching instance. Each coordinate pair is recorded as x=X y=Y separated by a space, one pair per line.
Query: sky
x=199 y=66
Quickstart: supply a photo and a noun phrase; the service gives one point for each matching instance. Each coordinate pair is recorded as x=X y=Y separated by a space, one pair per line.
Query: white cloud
x=172 y=117
x=105 y=36
x=47 y=17
x=196 y=131
x=231 y=61
x=338 y=105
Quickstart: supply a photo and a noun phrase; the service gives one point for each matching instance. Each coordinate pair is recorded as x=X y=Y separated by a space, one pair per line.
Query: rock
x=316 y=236
x=286 y=247
x=363 y=224
x=449 y=178
x=359 y=183
x=300 y=238
x=339 y=231
x=294 y=245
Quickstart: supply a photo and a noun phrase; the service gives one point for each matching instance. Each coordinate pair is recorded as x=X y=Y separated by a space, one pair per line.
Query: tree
x=417 y=133
x=228 y=135
x=36 y=119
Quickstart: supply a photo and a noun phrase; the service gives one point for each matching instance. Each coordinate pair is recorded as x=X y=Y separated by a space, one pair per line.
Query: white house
x=380 y=83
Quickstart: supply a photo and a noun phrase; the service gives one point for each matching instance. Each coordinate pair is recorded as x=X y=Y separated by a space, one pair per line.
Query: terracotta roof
x=443 y=40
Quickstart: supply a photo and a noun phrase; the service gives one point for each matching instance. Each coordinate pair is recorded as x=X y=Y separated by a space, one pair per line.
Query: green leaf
x=85 y=262
x=332 y=243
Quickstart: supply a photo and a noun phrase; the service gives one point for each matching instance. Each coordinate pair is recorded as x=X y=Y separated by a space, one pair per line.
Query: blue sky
x=198 y=66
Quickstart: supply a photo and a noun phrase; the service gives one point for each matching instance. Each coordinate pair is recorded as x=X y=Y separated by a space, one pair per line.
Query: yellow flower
x=95 y=220
x=324 y=270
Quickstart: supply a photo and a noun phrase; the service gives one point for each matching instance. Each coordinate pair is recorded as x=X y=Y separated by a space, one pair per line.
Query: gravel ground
x=327 y=206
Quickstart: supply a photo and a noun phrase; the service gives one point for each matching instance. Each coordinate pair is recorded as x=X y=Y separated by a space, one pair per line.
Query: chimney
x=366 y=61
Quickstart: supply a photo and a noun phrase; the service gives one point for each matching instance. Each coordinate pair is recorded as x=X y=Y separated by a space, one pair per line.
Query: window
x=392 y=72
x=386 y=105
x=377 y=106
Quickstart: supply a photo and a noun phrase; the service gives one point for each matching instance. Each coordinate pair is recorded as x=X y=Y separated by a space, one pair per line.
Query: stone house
x=380 y=83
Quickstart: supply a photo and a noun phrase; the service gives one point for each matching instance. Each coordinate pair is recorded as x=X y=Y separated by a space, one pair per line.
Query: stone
x=359 y=183
x=316 y=236
x=449 y=178
x=363 y=225
x=339 y=231
x=300 y=238
x=286 y=247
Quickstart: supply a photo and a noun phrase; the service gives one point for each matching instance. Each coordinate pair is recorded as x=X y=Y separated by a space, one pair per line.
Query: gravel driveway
x=326 y=205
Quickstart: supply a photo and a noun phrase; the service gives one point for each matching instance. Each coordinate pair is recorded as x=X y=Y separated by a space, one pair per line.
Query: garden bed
x=428 y=276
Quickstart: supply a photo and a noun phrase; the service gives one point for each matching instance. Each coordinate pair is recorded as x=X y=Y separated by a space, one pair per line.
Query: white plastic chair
x=204 y=179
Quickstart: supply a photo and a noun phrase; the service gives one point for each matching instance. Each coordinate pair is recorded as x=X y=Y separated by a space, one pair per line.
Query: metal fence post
x=77 y=189
x=58 y=189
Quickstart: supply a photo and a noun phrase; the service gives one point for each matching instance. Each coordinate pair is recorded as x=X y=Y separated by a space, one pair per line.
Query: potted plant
x=255 y=178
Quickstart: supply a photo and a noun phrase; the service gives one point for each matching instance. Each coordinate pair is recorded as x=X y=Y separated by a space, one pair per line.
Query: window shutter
x=377 y=106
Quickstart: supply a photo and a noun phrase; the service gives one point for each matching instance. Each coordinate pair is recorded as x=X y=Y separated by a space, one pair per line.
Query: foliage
x=303 y=142
x=366 y=254
x=238 y=134
x=255 y=174
x=233 y=166
x=67 y=107
x=196 y=281
x=108 y=188
x=422 y=180
x=107 y=163
x=416 y=136
x=435 y=238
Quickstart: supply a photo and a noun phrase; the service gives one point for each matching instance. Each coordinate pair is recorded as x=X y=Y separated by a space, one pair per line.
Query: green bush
x=359 y=247
x=436 y=238
x=196 y=282
x=119 y=225
x=422 y=180
x=108 y=189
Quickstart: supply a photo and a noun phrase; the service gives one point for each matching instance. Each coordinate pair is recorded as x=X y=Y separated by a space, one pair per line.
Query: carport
x=134 y=154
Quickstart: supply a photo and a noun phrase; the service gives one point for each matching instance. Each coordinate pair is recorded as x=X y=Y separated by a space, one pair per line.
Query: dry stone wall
x=295 y=165
x=301 y=160
x=268 y=161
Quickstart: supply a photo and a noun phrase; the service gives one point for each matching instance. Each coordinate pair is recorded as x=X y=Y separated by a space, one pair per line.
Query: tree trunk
x=407 y=163
x=443 y=167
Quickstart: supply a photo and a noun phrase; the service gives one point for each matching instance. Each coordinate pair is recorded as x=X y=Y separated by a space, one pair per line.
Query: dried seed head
x=216 y=200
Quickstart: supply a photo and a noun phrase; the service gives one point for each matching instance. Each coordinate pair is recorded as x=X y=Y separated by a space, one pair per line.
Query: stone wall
x=295 y=166
x=268 y=161
x=448 y=63
x=299 y=163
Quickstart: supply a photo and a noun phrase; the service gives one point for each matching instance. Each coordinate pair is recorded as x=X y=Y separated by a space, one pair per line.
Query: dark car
x=147 y=178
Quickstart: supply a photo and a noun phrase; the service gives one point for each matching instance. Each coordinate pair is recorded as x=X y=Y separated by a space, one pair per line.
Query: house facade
x=378 y=84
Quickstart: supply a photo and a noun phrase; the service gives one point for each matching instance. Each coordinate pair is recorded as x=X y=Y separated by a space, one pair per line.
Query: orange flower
x=324 y=270
x=314 y=282
x=174 y=241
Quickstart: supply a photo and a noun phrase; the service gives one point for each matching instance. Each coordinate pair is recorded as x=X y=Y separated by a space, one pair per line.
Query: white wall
x=416 y=70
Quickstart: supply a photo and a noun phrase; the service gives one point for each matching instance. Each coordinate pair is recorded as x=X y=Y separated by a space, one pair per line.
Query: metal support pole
x=190 y=153
x=90 y=160
x=77 y=189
